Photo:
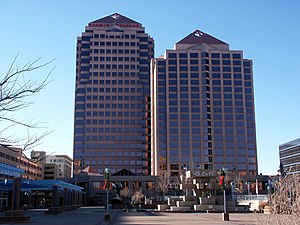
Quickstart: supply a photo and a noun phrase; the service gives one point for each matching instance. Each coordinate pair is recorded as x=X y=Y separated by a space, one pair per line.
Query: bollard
x=225 y=216
x=107 y=217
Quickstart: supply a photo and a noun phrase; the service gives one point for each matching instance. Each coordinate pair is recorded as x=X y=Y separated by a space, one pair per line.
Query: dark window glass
x=194 y=55
x=172 y=62
x=247 y=64
x=183 y=68
x=215 y=62
x=182 y=61
x=226 y=56
x=247 y=70
x=216 y=68
x=237 y=62
x=227 y=69
x=215 y=55
x=237 y=76
x=226 y=62
x=204 y=54
x=182 y=55
x=194 y=61
x=236 y=56
x=172 y=55
x=161 y=63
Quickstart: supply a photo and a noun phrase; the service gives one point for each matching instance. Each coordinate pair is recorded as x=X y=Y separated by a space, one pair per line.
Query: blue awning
x=10 y=170
x=41 y=185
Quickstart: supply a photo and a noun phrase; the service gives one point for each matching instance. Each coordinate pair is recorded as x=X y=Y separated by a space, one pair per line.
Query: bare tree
x=284 y=203
x=17 y=85
x=137 y=196
x=125 y=194
x=163 y=182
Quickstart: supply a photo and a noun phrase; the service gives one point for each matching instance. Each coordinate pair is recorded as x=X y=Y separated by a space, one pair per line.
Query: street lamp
x=106 y=183
x=225 y=215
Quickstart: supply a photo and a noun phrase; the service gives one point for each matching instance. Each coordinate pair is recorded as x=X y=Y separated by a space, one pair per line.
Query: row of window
x=115 y=82
x=217 y=130
x=110 y=66
x=110 y=154
x=236 y=76
x=113 y=51
x=120 y=59
x=111 y=138
x=248 y=89
x=109 y=122
x=19 y=160
x=227 y=123
x=162 y=96
x=133 y=130
x=206 y=61
x=111 y=90
x=205 y=54
x=115 y=74
x=115 y=162
x=114 y=43
x=114 y=106
x=114 y=146
x=109 y=97
x=141 y=52
x=195 y=117
x=196 y=82
x=132 y=36
x=109 y=113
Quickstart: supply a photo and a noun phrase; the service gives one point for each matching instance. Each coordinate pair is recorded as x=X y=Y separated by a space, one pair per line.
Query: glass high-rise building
x=289 y=156
x=202 y=103
x=112 y=117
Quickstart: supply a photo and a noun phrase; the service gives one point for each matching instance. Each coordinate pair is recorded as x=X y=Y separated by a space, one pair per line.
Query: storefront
x=42 y=194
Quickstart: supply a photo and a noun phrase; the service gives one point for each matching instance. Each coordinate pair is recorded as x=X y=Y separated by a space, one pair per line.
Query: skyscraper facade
x=202 y=106
x=112 y=115
x=289 y=156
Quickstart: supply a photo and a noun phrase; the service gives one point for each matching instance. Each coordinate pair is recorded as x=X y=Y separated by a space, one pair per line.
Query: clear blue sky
x=267 y=31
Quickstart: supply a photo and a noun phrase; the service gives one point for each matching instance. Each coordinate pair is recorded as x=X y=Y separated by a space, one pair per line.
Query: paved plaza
x=95 y=216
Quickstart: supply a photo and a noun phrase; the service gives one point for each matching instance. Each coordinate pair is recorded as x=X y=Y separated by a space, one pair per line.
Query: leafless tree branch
x=285 y=201
x=16 y=87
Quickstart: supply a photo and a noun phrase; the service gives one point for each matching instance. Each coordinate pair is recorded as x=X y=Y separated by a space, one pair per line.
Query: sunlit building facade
x=202 y=104
x=112 y=114
x=14 y=157
x=289 y=156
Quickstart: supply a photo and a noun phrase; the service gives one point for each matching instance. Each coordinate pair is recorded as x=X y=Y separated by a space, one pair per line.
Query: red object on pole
x=105 y=186
x=222 y=178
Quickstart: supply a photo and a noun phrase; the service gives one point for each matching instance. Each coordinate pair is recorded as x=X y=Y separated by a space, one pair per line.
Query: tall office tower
x=112 y=114
x=289 y=157
x=203 y=108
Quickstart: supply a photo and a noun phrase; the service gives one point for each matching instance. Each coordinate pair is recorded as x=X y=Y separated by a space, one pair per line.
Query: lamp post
x=225 y=215
x=248 y=188
x=106 y=181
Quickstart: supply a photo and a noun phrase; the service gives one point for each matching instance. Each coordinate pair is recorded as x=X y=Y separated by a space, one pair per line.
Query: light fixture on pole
x=225 y=215
x=106 y=185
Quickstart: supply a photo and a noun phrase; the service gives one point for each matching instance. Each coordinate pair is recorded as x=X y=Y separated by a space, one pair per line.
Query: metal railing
x=252 y=197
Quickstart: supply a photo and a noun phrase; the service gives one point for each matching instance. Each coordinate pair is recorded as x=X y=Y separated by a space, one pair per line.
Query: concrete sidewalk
x=188 y=219
x=81 y=216
x=95 y=216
